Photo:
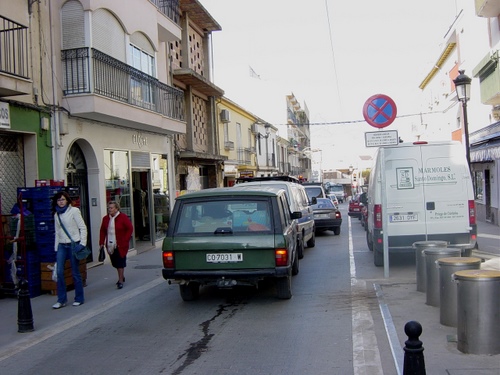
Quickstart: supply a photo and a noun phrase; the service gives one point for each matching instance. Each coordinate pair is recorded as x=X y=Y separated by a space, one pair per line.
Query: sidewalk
x=143 y=271
x=488 y=240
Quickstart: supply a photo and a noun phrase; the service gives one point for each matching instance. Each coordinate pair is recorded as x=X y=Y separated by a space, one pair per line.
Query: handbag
x=102 y=254
x=79 y=251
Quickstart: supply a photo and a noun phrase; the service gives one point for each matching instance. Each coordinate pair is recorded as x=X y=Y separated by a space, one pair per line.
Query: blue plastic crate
x=27 y=192
x=46 y=191
x=45 y=237
x=39 y=205
x=44 y=225
x=48 y=258
x=45 y=248
x=35 y=289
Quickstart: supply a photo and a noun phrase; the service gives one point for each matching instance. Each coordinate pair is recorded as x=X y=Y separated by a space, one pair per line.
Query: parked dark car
x=227 y=237
x=327 y=216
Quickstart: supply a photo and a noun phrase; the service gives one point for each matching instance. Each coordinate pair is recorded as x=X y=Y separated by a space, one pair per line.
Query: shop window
x=117 y=177
x=478 y=185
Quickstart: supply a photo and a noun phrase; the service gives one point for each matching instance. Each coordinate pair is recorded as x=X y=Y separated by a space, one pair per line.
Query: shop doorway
x=77 y=182
x=142 y=206
x=487 y=195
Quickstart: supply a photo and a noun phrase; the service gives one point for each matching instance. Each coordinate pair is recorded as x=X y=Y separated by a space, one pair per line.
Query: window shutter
x=108 y=35
x=73 y=29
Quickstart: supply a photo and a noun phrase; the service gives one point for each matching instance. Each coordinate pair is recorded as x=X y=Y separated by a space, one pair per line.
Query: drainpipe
x=57 y=170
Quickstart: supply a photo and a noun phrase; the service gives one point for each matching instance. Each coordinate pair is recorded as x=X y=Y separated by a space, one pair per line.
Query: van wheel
x=284 y=287
x=378 y=257
x=369 y=243
x=336 y=231
x=189 y=292
x=300 y=249
x=312 y=240
x=295 y=265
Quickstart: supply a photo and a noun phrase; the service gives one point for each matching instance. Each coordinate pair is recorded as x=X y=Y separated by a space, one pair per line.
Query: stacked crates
x=44 y=221
x=39 y=232
x=37 y=251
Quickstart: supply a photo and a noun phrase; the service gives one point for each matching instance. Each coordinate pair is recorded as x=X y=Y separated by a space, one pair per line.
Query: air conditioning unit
x=254 y=129
x=225 y=116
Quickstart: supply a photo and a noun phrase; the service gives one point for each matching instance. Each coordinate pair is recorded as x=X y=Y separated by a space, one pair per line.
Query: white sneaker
x=77 y=303
x=58 y=305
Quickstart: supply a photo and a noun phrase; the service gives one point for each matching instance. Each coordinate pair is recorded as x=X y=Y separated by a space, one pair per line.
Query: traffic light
x=354 y=175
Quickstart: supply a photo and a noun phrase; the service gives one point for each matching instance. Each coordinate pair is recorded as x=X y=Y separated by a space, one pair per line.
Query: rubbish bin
x=448 y=288
x=466 y=252
x=478 y=315
x=431 y=256
x=420 y=246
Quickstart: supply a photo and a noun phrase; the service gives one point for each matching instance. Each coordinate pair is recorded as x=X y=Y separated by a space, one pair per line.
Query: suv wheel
x=312 y=240
x=189 y=292
x=284 y=287
x=295 y=265
x=300 y=249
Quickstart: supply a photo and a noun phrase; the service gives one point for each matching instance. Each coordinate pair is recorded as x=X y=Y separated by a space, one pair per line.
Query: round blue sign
x=379 y=111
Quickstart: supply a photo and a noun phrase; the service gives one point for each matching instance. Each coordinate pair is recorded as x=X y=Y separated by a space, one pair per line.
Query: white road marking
x=365 y=353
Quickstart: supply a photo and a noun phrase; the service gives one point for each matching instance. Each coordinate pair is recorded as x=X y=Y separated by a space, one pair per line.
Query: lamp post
x=462 y=88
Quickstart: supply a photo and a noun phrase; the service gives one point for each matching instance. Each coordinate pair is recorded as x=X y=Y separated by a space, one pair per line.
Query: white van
x=429 y=197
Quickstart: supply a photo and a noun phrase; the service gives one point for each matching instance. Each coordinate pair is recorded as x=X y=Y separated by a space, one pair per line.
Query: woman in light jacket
x=115 y=234
x=72 y=220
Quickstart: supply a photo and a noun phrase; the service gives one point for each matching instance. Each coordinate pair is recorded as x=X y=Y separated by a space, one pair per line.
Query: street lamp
x=462 y=88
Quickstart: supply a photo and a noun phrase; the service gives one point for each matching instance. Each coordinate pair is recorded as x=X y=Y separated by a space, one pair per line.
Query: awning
x=487 y=151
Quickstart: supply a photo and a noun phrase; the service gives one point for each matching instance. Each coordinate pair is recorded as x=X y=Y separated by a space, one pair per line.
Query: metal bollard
x=414 y=363
x=24 y=313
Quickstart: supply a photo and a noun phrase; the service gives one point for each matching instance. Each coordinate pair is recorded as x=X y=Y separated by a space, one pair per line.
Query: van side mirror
x=296 y=215
x=314 y=200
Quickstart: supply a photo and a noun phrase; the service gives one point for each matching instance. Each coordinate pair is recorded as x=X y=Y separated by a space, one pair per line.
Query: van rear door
x=405 y=196
x=447 y=189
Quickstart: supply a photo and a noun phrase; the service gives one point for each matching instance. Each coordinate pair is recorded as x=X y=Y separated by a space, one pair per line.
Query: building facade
x=470 y=45
x=120 y=106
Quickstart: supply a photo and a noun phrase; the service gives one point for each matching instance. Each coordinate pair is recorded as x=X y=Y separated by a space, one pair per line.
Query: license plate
x=403 y=218
x=321 y=216
x=224 y=258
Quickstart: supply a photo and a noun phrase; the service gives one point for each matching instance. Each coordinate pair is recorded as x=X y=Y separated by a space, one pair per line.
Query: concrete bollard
x=24 y=313
x=414 y=363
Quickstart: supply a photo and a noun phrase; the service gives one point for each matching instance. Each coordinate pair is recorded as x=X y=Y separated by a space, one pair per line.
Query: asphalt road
x=334 y=324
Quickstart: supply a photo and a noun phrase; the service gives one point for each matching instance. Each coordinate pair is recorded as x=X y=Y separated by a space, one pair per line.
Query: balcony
x=488 y=72
x=244 y=156
x=487 y=8
x=170 y=8
x=14 y=61
x=99 y=87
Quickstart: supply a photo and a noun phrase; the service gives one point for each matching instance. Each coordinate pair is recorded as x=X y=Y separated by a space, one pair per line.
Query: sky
x=332 y=55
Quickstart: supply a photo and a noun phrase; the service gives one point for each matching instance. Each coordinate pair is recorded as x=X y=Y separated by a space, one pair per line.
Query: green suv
x=227 y=237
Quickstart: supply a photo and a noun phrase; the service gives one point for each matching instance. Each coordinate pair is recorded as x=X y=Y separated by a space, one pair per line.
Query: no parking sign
x=379 y=111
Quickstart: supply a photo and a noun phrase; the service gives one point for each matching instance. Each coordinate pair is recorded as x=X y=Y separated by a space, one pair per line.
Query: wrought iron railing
x=169 y=8
x=89 y=70
x=13 y=48
x=244 y=156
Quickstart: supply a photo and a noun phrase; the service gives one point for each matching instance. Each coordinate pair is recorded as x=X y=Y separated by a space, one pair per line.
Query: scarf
x=61 y=210
x=112 y=233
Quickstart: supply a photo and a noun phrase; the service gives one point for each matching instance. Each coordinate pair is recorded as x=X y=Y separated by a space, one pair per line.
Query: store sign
x=4 y=116
x=139 y=139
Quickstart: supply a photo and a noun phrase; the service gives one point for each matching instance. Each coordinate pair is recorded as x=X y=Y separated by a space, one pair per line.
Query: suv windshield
x=314 y=191
x=237 y=215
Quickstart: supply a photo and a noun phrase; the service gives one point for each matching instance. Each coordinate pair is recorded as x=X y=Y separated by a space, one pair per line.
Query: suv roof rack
x=240 y=180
